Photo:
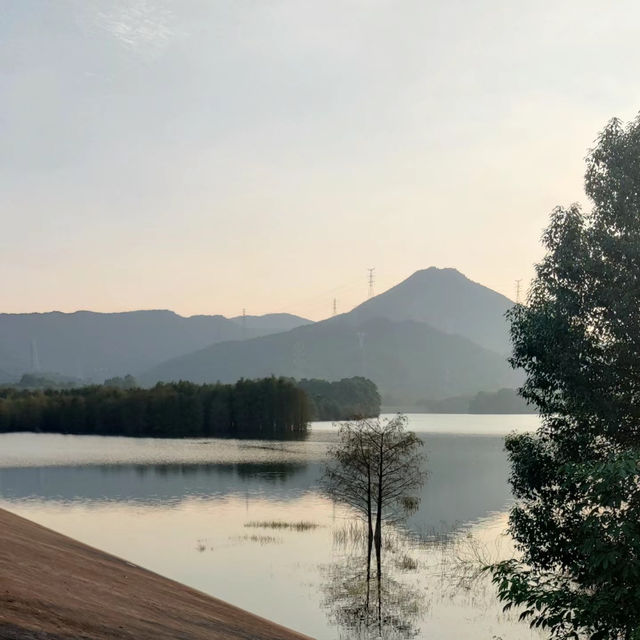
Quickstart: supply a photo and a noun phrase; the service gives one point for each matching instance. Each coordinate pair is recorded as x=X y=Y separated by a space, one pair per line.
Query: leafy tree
x=345 y=399
x=577 y=481
x=128 y=382
x=46 y=381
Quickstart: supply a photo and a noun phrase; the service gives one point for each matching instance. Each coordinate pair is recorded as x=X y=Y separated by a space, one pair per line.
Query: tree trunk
x=369 y=534
x=379 y=576
x=378 y=534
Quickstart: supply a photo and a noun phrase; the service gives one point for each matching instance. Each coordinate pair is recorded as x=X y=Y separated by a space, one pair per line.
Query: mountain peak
x=448 y=301
x=447 y=273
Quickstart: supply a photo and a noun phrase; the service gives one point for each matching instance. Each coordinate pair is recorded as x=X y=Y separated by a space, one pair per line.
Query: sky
x=207 y=156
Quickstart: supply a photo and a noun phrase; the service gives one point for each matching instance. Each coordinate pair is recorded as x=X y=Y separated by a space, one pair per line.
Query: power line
x=318 y=300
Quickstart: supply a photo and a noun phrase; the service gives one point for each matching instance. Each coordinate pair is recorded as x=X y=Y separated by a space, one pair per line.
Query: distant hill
x=406 y=359
x=95 y=346
x=502 y=401
x=271 y=322
x=448 y=301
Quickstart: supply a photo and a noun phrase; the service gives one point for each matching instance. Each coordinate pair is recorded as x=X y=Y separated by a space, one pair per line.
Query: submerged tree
x=376 y=468
x=577 y=481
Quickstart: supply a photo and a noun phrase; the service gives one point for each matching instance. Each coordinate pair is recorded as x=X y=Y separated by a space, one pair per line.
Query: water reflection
x=157 y=483
x=467 y=480
x=185 y=509
x=366 y=599
x=269 y=472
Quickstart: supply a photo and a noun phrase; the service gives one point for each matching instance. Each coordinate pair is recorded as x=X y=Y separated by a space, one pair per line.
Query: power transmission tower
x=371 y=281
x=335 y=307
x=244 y=324
x=518 y=290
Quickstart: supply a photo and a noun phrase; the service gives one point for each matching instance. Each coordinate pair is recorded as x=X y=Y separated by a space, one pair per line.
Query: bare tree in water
x=376 y=468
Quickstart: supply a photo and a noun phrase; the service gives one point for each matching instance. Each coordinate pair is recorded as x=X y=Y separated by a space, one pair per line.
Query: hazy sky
x=209 y=155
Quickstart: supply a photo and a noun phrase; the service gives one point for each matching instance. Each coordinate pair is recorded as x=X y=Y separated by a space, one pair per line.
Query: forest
x=344 y=399
x=267 y=408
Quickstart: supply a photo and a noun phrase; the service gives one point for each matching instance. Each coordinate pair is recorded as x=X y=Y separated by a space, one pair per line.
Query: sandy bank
x=55 y=588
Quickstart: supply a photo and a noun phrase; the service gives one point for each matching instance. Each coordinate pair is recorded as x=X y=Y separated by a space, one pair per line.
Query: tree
x=128 y=382
x=376 y=468
x=576 y=521
x=345 y=399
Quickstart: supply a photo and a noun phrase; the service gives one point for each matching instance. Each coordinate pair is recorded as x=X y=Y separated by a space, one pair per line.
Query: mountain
x=448 y=301
x=271 y=322
x=95 y=346
x=435 y=335
x=406 y=359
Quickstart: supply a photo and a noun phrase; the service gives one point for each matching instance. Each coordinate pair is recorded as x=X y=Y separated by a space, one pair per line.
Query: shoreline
x=53 y=587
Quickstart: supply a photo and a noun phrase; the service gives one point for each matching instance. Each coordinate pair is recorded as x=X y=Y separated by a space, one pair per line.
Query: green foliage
x=267 y=408
x=577 y=481
x=128 y=382
x=46 y=381
x=344 y=399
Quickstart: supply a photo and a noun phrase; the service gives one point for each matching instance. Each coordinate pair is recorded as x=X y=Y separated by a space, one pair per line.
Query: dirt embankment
x=55 y=588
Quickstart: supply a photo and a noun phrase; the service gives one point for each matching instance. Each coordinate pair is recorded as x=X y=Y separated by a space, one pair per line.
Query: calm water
x=182 y=509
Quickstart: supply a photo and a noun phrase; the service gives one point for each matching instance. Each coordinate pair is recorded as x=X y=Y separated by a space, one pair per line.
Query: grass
x=261 y=539
x=280 y=524
x=406 y=563
x=354 y=534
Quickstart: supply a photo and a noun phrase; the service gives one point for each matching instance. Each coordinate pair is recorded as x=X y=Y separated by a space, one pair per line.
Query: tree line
x=503 y=401
x=344 y=399
x=267 y=408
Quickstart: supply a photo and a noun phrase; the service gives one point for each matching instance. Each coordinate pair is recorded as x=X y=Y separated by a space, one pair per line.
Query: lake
x=224 y=516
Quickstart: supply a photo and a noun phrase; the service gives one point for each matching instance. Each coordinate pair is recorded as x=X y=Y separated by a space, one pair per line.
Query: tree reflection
x=271 y=471
x=371 y=600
